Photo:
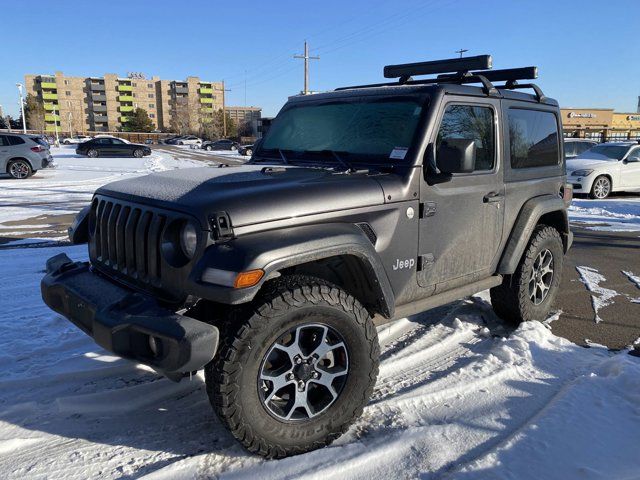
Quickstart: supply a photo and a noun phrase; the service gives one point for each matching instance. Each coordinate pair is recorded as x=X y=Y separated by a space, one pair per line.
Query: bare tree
x=180 y=118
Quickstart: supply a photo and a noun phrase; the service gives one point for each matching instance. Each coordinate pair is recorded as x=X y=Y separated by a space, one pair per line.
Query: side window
x=634 y=156
x=103 y=141
x=583 y=147
x=3 y=141
x=15 y=140
x=570 y=149
x=115 y=141
x=470 y=123
x=533 y=138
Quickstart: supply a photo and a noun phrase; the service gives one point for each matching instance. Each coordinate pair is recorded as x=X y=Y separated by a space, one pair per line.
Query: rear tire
x=92 y=153
x=19 y=169
x=208 y=148
x=601 y=188
x=529 y=293
x=293 y=318
x=248 y=152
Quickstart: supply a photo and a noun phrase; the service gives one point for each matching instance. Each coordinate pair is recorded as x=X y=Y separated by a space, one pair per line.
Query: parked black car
x=223 y=144
x=112 y=147
x=246 y=150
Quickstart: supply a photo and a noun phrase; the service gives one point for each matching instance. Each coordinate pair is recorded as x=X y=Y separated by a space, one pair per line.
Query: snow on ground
x=621 y=214
x=600 y=296
x=26 y=206
x=458 y=396
x=228 y=154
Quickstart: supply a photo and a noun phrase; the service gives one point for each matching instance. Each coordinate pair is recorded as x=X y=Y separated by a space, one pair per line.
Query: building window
x=134 y=84
x=151 y=95
x=152 y=105
x=66 y=82
x=152 y=115
x=133 y=95
x=67 y=93
x=149 y=85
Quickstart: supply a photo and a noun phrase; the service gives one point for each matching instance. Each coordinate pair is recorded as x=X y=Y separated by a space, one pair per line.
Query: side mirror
x=456 y=155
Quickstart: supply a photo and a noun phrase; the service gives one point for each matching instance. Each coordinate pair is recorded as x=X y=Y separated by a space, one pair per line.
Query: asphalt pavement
x=610 y=253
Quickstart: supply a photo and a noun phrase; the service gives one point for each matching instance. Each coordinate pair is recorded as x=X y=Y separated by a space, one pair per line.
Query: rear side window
x=533 y=138
x=15 y=140
x=570 y=149
x=3 y=141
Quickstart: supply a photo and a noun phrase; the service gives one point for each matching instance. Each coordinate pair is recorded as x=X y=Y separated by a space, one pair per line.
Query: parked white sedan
x=189 y=140
x=76 y=140
x=605 y=168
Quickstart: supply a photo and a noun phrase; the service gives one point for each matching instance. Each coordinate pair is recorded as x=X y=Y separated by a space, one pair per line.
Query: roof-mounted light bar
x=451 y=65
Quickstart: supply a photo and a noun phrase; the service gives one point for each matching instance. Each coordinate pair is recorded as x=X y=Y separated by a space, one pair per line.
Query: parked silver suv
x=23 y=155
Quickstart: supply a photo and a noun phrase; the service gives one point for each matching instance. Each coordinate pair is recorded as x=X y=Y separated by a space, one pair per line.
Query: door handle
x=492 y=197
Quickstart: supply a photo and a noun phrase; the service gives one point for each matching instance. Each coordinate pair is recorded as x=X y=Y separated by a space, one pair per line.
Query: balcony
x=48 y=85
x=206 y=109
x=99 y=97
x=206 y=100
x=50 y=117
x=180 y=89
x=100 y=118
x=206 y=90
x=125 y=98
x=125 y=88
x=97 y=87
x=126 y=108
x=124 y=119
x=50 y=127
x=50 y=96
x=50 y=106
x=100 y=108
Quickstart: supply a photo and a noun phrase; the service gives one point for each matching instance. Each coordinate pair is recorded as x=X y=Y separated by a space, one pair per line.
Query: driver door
x=630 y=169
x=462 y=220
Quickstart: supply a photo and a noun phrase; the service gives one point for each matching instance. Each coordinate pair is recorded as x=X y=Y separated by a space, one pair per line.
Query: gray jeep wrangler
x=359 y=206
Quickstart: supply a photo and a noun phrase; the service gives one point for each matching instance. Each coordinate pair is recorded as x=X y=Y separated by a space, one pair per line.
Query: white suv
x=23 y=155
x=605 y=168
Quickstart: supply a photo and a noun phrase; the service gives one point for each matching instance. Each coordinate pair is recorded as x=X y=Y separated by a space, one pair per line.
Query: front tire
x=601 y=188
x=138 y=153
x=296 y=368
x=529 y=293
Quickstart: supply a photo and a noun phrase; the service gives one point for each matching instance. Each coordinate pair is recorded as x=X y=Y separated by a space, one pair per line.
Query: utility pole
x=224 y=111
x=24 y=120
x=306 y=58
x=461 y=51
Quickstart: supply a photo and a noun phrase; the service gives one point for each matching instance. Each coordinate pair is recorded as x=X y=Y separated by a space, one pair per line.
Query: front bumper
x=581 y=184
x=130 y=324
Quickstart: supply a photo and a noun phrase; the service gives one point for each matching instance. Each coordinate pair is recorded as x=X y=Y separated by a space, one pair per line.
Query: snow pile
x=612 y=215
x=458 y=395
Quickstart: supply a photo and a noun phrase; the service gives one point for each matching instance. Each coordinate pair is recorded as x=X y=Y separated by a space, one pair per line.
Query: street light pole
x=24 y=120
x=55 y=126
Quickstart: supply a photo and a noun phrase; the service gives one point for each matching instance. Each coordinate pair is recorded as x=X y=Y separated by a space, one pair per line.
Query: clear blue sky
x=588 y=51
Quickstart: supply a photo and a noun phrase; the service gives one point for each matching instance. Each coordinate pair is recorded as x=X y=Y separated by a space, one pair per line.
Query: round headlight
x=188 y=239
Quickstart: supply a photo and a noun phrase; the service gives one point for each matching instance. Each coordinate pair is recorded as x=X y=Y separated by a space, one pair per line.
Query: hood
x=250 y=194
x=591 y=162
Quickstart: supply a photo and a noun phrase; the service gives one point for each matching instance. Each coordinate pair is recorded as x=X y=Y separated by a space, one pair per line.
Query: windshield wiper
x=284 y=158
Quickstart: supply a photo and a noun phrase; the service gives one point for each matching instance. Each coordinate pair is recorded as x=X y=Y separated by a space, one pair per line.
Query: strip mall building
x=601 y=124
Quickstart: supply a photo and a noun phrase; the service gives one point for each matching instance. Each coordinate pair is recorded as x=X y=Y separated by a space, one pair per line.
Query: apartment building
x=80 y=104
x=246 y=118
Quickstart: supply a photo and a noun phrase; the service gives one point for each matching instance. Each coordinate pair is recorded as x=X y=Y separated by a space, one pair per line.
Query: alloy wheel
x=601 y=187
x=303 y=372
x=19 y=170
x=541 y=277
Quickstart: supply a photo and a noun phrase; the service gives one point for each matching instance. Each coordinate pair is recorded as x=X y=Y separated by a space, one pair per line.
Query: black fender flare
x=528 y=218
x=275 y=250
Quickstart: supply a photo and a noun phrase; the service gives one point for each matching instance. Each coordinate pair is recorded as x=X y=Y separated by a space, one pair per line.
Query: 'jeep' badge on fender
x=402 y=264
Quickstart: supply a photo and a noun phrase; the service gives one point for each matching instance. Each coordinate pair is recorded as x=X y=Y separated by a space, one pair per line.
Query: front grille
x=127 y=239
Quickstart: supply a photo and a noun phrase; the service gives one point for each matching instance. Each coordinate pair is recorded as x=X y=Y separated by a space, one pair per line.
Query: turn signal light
x=248 y=279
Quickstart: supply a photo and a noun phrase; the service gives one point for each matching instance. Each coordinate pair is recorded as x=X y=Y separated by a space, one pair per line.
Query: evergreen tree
x=139 y=121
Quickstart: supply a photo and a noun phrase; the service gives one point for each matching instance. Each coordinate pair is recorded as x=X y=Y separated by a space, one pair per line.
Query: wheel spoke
x=278 y=382
x=300 y=401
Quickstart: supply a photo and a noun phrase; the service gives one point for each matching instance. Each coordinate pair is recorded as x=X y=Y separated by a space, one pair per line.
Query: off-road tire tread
x=510 y=300
x=276 y=297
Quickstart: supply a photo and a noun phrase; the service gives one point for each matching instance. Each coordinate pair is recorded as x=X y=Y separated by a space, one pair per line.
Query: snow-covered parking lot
x=457 y=397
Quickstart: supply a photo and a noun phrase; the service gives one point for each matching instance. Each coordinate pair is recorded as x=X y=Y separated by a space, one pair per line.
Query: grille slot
x=127 y=239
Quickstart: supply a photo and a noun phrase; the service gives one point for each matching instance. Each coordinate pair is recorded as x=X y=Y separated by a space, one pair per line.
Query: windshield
x=371 y=130
x=611 y=152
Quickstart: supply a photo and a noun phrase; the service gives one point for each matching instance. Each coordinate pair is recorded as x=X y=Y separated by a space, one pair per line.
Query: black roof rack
x=459 y=71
